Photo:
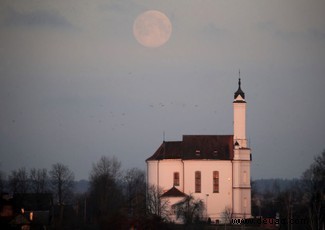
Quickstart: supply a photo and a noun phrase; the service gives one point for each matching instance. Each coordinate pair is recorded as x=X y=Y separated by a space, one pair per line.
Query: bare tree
x=226 y=215
x=189 y=209
x=18 y=181
x=106 y=166
x=155 y=205
x=135 y=191
x=314 y=184
x=38 y=180
x=105 y=190
x=2 y=182
x=62 y=182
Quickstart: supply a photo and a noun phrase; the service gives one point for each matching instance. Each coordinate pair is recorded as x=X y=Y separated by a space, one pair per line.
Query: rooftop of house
x=33 y=201
x=173 y=192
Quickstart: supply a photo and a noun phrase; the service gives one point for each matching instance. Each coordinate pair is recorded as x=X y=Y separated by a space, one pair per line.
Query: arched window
x=197 y=181
x=176 y=178
x=215 y=181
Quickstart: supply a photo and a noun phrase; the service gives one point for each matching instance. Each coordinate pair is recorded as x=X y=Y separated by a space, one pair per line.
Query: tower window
x=176 y=178
x=197 y=181
x=216 y=181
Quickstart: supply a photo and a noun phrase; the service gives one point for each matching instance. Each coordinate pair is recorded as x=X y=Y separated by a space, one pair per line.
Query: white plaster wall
x=216 y=202
x=241 y=187
x=240 y=123
x=166 y=176
x=247 y=210
x=242 y=154
x=242 y=209
x=166 y=169
x=237 y=202
x=152 y=172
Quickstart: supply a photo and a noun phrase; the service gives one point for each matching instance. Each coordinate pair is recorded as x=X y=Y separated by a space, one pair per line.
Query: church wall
x=166 y=168
x=241 y=183
x=216 y=202
x=240 y=123
x=152 y=172
x=242 y=203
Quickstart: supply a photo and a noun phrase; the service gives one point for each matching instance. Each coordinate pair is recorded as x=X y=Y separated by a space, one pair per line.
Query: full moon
x=152 y=28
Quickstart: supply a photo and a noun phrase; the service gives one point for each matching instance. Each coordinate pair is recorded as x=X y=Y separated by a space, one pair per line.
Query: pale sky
x=75 y=84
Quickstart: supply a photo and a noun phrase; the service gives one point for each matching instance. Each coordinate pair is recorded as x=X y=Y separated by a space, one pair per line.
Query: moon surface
x=152 y=28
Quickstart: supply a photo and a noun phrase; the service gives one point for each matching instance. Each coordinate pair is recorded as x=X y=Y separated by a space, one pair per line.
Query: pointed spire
x=239 y=83
x=239 y=90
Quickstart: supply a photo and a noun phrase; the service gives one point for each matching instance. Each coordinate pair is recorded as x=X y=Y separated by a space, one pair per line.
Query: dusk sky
x=76 y=85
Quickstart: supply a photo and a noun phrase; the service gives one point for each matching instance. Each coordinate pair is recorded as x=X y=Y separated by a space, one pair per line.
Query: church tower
x=242 y=159
x=240 y=117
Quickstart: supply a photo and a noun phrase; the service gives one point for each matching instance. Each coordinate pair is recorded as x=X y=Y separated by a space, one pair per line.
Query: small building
x=213 y=168
x=32 y=210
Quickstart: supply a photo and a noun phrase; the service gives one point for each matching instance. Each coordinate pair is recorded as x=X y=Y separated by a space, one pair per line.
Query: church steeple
x=239 y=105
x=239 y=91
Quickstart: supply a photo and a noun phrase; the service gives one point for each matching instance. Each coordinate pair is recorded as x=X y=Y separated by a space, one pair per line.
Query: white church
x=213 y=168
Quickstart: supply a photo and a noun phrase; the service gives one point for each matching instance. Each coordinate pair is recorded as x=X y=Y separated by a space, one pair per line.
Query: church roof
x=214 y=147
x=173 y=192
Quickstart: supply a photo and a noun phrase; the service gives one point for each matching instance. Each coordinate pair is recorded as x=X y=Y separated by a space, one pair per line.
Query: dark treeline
x=296 y=201
x=113 y=198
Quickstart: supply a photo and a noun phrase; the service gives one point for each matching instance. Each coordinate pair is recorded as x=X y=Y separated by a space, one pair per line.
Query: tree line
x=301 y=200
x=118 y=199
x=115 y=199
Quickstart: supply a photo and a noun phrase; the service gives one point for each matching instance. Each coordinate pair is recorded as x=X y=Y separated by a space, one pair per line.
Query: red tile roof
x=218 y=147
